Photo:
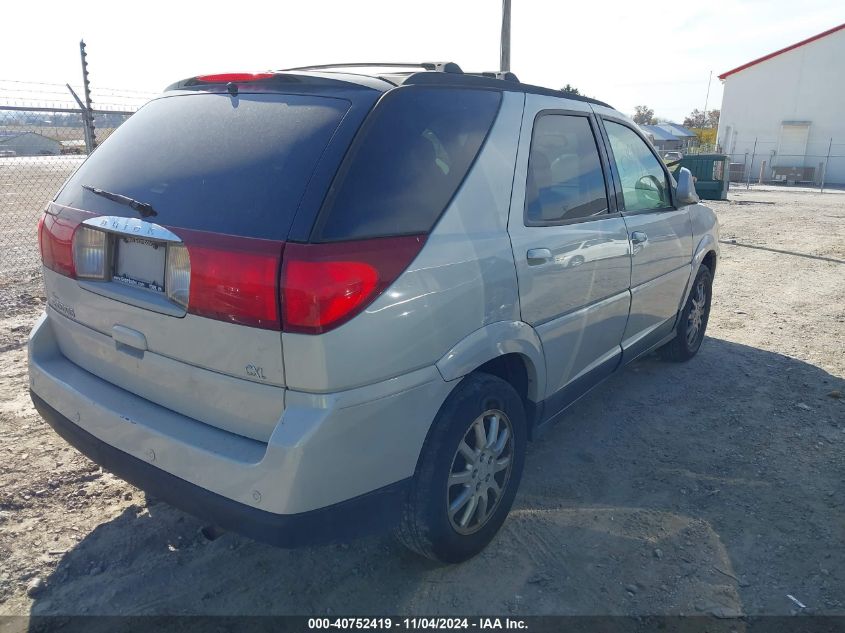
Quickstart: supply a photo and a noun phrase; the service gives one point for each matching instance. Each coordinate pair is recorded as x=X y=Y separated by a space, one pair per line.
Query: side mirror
x=685 y=191
x=648 y=183
x=651 y=192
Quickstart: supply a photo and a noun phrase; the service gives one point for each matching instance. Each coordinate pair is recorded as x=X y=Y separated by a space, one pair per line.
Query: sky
x=658 y=54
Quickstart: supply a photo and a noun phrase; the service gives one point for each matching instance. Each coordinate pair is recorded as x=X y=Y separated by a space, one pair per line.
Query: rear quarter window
x=407 y=162
x=210 y=162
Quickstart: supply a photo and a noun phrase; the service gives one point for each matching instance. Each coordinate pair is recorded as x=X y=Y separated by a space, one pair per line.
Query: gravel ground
x=711 y=487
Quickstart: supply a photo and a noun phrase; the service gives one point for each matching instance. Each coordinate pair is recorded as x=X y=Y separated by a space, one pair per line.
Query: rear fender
x=493 y=341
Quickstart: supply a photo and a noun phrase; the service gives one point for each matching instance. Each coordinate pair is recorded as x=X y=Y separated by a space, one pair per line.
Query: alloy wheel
x=480 y=471
x=695 y=320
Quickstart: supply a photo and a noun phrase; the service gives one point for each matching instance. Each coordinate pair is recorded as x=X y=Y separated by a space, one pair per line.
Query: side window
x=418 y=145
x=644 y=183
x=565 y=178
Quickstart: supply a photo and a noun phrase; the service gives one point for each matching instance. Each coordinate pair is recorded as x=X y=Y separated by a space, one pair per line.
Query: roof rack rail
x=496 y=74
x=443 y=67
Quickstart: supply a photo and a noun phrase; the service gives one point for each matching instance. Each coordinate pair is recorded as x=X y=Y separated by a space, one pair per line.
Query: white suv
x=310 y=304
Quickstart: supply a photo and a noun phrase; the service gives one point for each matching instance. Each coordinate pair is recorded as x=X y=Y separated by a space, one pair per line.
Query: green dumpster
x=710 y=172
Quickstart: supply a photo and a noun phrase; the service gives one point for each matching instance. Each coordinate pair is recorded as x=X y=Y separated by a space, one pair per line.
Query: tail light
x=90 y=253
x=227 y=278
x=55 y=237
x=325 y=285
x=302 y=288
x=222 y=78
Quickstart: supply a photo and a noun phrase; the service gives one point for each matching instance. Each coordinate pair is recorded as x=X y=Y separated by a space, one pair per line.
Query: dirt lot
x=710 y=487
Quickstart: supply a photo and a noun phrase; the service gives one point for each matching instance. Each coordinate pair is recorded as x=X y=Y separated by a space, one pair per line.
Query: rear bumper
x=336 y=464
x=372 y=512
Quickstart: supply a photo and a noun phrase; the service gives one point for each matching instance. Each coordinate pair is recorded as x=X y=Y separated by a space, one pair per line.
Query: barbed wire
x=55 y=104
x=19 y=93
x=56 y=85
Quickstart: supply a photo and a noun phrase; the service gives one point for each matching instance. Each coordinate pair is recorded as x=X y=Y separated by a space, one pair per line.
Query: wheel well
x=710 y=261
x=514 y=369
x=510 y=368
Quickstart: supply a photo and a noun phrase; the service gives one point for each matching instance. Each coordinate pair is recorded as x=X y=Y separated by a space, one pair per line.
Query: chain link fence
x=820 y=164
x=42 y=141
x=816 y=171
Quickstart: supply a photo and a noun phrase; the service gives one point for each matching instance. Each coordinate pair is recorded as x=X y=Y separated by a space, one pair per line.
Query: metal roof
x=659 y=133
x=677 y=130
x=5 y=138
x=783 y=50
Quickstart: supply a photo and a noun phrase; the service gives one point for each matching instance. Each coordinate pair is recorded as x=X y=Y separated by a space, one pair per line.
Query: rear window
x=212 y=162
x=409 y=159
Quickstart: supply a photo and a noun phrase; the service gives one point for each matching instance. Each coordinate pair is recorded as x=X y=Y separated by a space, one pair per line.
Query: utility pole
x=707 y=98
x=505 y=50
x=824 y=169
x=87 y=114
x=751 y=165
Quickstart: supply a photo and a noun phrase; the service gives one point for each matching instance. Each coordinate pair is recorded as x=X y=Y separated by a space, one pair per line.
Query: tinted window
x=412 y=154
x=643 y=180
x=210 y=162
x=565 y=178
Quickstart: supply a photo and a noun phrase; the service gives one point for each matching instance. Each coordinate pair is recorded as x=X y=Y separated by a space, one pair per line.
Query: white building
x=787 y=109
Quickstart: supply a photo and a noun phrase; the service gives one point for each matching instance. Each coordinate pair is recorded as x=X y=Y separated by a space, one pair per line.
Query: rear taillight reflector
x=231 y=278
x=325 y=285
x=177 y=277
x=90 y=253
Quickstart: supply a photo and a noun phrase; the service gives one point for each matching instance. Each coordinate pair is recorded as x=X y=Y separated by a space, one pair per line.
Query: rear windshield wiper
x=146 y=210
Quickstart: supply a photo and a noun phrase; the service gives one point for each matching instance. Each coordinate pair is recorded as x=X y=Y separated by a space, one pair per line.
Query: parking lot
x=711 y=487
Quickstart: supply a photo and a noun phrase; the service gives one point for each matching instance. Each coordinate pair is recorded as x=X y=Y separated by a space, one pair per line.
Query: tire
x=685 y=345
x=427 y=526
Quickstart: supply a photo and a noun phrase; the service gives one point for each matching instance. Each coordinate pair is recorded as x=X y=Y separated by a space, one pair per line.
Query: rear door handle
x=129 y=337
x=638 y=237
x=538 y=256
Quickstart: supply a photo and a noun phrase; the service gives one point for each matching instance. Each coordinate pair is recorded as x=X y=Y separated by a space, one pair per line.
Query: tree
x=643 y=115
x=713 y=118
x=570 y=89
x=695 y=119
x=699 y=119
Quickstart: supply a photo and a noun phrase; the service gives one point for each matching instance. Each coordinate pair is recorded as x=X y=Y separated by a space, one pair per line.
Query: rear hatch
x=163 y=251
